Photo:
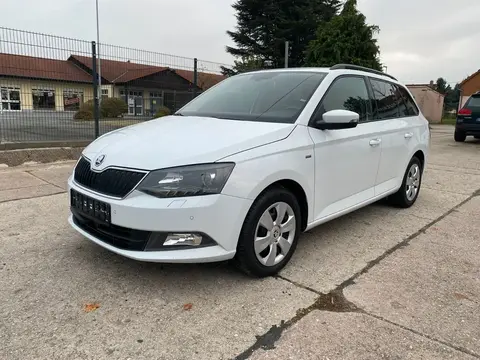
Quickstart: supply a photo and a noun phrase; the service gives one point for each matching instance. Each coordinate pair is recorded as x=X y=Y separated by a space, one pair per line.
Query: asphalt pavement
x=380 y=283
x=43 y=125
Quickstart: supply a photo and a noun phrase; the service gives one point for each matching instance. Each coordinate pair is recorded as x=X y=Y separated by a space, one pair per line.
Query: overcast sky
x=419 y=39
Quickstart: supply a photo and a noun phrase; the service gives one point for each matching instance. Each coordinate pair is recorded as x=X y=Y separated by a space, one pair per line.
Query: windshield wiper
x=178 y=114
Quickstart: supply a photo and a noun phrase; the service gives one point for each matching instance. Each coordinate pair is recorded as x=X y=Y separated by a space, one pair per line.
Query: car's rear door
x=396 y=121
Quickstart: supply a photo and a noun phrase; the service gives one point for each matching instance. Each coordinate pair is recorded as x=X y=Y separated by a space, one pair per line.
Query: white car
x=239 y=172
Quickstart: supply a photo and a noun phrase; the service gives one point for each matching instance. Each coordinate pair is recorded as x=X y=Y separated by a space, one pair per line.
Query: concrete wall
x=26 y=86
x=429 y=101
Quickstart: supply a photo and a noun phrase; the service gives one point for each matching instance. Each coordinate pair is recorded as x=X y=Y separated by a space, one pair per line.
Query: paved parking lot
x=45 y=125
x=378 y=283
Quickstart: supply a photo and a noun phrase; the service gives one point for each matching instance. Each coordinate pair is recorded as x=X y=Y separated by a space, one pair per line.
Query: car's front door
x=346 y=161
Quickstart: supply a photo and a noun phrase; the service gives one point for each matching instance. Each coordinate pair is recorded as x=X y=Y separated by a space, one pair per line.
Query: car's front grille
x=117 y=236
x=112 y=182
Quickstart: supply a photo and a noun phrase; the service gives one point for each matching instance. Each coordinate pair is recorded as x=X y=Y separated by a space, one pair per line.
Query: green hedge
x=113 y=108
x=109 y=108
x=162 y=111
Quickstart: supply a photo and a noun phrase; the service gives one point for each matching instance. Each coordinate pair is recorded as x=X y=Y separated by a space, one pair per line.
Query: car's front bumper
x=220 y=217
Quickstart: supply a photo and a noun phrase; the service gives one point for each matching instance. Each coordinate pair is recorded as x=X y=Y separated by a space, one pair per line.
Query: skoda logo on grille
x=99 y=160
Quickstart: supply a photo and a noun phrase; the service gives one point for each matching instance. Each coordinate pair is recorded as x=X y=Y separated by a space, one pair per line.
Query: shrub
x=113 y=108
x=83 y=114
x=87 y=106
x=110 y=108
x=162 y=111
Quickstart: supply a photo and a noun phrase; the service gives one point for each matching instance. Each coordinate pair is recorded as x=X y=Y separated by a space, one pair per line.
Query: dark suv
x=468 y=119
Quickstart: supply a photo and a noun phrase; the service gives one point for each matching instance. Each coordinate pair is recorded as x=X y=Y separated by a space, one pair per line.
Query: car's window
x=473 y=101
x=346 y=93
x=406 y=104
x=265 y=96
x=386 y=100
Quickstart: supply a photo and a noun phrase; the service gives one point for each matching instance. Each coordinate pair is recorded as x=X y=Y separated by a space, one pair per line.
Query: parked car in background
x=239 y=172
x=468 y=119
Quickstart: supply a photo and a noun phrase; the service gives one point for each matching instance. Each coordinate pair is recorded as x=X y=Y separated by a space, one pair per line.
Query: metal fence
x=50 y=85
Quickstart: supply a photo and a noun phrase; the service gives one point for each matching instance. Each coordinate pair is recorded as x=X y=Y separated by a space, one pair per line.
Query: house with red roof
x=468 y=87
x=33 y=83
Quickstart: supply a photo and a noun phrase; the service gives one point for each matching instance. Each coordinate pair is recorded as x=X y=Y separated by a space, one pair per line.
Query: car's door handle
x=375 y=142
x=408 y=135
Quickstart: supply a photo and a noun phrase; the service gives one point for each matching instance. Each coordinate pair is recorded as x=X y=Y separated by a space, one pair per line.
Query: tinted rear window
x=474 y=101
x=407 y=105
x=386 y=99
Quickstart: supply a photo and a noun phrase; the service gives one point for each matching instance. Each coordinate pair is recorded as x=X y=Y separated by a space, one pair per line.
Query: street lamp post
x=99 y=91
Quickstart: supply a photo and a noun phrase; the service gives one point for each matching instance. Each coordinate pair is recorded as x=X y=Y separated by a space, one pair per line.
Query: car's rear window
x=474 y=101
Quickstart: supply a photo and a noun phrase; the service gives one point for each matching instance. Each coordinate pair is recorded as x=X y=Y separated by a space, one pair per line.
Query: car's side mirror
x=338 y=119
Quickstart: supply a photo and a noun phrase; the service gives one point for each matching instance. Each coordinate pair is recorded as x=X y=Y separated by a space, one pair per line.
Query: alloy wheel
x=275 y=233
x=413 y=182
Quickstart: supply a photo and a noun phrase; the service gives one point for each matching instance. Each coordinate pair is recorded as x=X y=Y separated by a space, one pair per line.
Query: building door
x=135 y=103
x=156 y=101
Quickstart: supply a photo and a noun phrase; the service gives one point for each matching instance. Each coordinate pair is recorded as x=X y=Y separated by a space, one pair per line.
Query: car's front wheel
x=269 y=234
x=412 y=180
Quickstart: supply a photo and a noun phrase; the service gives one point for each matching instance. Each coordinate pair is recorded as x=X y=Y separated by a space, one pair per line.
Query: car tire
x=410 y=188
x=459 y=136
x=263 y=229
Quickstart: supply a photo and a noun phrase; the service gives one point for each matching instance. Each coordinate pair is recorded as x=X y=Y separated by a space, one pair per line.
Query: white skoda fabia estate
x=239 y=172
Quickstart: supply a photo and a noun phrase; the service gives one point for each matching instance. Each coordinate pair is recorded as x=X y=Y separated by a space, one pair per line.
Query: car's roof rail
x=360 y=68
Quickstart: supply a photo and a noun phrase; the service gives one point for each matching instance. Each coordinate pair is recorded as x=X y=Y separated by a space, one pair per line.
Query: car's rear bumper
x=468 y=129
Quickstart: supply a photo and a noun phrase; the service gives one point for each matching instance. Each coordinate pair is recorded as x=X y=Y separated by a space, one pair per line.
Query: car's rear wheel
x=269 y=234
x=460 y=136
x=412 y=180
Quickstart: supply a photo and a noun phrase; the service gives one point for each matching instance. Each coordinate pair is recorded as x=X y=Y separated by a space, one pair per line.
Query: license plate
x=89 y=207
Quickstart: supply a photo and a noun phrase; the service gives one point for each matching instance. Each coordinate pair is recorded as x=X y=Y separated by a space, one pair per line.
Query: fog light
x=183 y=239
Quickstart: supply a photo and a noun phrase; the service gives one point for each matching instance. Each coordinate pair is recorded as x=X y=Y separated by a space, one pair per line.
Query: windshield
x=269 y=96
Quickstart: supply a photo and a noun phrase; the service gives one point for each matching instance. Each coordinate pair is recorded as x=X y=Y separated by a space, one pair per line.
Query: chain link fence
x=52 y=87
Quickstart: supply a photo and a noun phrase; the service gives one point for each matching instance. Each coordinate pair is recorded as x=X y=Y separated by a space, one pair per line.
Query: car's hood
x=178 y=140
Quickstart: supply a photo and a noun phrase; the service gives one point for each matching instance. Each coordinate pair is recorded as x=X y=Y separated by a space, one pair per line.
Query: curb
x=44 y=144
x=38 y=155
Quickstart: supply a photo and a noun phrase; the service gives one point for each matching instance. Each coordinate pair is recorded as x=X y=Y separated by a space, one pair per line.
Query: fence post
x=96 y=110
x=195 y=77
x=286 y=53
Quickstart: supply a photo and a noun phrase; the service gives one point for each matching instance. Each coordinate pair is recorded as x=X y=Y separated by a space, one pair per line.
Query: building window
x=72 y=99
x=104 y=94
x=155 y=94
x=43 y=99
x=10 y=98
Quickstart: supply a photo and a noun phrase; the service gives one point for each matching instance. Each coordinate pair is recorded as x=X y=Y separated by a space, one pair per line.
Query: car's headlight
x=192 y=180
